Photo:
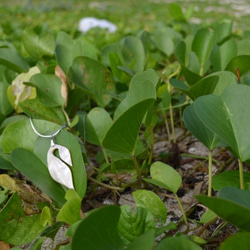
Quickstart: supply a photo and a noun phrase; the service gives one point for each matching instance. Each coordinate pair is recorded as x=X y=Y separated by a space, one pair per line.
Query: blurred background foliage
x=130 y=16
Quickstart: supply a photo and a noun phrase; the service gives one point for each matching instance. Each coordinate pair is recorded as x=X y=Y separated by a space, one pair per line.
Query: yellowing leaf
x=46 y=217
x=9 y=183
x=19 y=92
x=71 y=210
x=64 y=88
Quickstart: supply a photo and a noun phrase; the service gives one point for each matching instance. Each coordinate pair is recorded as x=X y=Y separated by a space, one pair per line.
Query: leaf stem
x=105 y=155
x=152 y=146
x=172 y=121
x=177 y=71
x=66 y=117
x=201 y=71
x=241 y=175
x=175 y=106
x=199 y=157
x=167 y=128
x=182 y=210
x=210 y=172
x=137 y=169
x=105 y=185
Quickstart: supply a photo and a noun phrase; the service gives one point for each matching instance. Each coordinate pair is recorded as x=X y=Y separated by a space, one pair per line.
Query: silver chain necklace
x=59 y=168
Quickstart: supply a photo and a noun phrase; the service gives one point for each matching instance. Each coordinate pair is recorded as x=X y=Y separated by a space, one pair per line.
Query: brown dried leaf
x=4 y=246
x=64 y=88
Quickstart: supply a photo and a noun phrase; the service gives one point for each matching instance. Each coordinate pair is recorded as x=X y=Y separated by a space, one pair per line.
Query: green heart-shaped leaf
x=134 y=223
x=5 y=106
x=202 y=45
x=231 y=179
x=38 y=46
x=145 y=241
x=232 y=205
x=48 y=89
x=222 y=55
x=17 y=228
x=223 y=30
x=152 y=202
x=163 y=41
x=99 y=230
x=199 y=130
x=176 y=243
x=165 y=176
x=242 y=62
x=97 y=123
x=13 y=60
x=35 y=109
x=176 y=12
x=70 y=212
x=67 y=49
x=212 y=84
x=20 y=134
x=93 y=78
x=132 y=53
x=239 y=241
x=122 y=135
x=34 y=169
x=228 y=117
x=63 y=51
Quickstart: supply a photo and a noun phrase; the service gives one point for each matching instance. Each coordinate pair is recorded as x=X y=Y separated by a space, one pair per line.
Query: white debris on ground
x=88 y=23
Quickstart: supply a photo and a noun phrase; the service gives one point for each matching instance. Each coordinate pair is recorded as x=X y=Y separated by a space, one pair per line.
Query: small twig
x=238 y=74
x=206 y=226
x=167 y=195
x=219 y=227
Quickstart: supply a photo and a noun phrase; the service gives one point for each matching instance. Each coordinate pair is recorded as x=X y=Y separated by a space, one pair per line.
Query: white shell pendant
x=58 y=170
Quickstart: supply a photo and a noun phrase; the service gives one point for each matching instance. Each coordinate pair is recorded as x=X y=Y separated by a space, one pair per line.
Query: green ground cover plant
x=87 y=108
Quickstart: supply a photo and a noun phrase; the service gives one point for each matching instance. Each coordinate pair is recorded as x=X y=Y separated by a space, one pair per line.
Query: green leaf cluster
x=113 y=97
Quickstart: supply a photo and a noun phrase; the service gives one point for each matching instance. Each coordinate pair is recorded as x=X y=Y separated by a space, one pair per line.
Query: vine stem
x=210 y=172
x=137 y=169
x=241 y=175
x=182 y=210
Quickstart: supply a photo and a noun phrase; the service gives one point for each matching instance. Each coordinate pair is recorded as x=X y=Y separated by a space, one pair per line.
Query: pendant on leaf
x=59 y=167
